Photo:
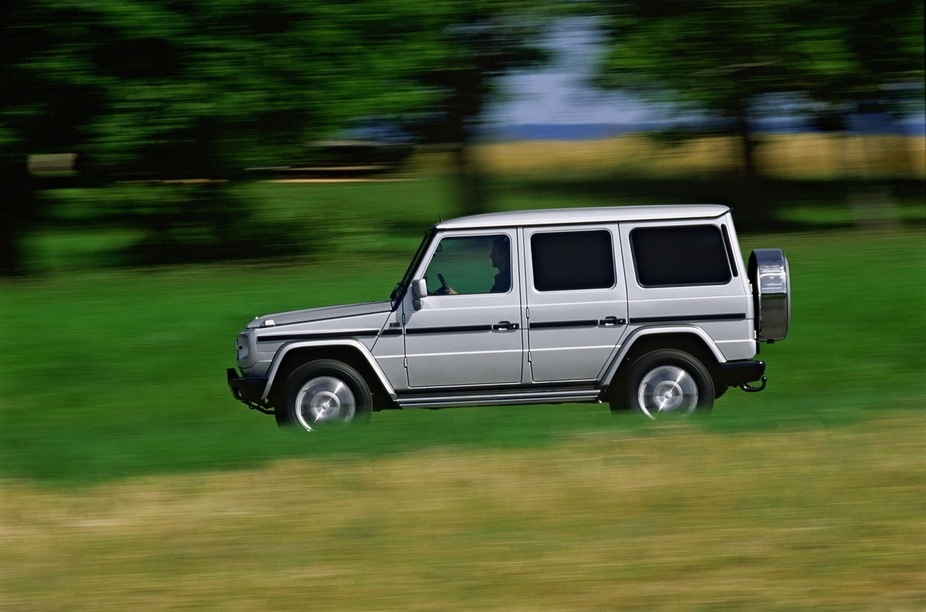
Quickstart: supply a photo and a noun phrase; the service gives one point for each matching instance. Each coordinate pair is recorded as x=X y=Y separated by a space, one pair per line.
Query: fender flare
x=631 y=339
x=350 y=343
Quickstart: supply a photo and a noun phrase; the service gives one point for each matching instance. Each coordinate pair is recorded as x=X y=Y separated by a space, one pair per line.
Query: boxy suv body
x=647 y=308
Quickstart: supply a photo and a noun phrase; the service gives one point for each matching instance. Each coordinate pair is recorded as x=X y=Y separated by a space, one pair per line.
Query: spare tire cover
x=771 y=287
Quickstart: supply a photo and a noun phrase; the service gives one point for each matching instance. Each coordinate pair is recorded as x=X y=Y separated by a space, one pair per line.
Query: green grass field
x=129 y=477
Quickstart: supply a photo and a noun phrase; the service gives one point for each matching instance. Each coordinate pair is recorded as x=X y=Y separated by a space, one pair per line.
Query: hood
x=311 y=315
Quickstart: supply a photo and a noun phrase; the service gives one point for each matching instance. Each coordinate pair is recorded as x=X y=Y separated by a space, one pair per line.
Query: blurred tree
x=204 y=88
x=163 y=89
x=476 y=43
x=724 y=56
x=41 y=110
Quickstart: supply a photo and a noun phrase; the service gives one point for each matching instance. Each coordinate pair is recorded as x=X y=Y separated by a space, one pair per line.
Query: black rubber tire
x=325 y=393
x=668 y=382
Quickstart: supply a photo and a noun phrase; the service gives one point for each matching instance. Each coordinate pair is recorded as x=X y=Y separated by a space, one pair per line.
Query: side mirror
x=419 y=292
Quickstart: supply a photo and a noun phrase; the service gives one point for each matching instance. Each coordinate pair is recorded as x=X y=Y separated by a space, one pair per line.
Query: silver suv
x=646 y=308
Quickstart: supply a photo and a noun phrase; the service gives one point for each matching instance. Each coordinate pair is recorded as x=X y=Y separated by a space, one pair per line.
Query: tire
x=325 y=394
x=669 y=383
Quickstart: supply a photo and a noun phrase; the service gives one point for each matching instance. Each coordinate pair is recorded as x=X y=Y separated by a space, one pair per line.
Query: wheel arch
x=291 y=356
x=691 y=340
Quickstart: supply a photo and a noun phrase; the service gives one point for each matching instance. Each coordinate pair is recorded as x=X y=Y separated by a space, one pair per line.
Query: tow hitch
x=745 y=386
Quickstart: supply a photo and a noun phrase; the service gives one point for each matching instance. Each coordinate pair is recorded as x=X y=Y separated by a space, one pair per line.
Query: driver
x=500 y=261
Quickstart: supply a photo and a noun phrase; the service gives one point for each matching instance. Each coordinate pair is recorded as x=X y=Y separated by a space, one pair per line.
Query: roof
x=603 y=214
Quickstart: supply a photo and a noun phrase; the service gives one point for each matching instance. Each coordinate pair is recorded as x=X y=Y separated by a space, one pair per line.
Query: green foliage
x=157 y=89
x=724 y=56
x=235 y=83
x=721 y=55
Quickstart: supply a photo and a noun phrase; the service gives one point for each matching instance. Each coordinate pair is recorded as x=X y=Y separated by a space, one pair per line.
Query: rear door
x=576 y=301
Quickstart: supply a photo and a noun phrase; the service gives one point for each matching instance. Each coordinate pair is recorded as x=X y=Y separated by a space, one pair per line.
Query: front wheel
x=669 y=383
x=322 y=394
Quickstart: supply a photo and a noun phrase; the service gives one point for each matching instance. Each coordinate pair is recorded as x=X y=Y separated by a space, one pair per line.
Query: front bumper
x=247 y=389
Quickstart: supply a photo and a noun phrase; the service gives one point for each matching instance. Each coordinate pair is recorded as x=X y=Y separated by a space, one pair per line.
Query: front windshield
x=407 y=278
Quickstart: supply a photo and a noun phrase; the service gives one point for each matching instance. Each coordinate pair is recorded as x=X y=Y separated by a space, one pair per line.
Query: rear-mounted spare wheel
x=771 y=289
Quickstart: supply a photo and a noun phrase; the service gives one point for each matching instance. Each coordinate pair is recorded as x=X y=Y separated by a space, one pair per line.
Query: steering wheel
x=444 y=288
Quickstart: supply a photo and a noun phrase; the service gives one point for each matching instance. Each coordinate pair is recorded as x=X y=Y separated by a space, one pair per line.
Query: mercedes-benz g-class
x=648 y=308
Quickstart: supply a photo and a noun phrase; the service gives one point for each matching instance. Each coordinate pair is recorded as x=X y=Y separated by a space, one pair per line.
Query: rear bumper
x=247 y=389
x=738 y=373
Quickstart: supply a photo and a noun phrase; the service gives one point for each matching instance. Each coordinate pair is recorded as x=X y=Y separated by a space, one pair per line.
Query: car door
x=576 y=301
x=468 y=330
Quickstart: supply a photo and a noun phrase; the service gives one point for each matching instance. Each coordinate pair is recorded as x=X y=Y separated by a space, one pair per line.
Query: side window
x=565 y=261
x=682 y=255
x=470 y=264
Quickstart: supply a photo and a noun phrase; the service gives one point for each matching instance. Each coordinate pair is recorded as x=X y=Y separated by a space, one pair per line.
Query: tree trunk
x=470 y=181
x=747 y=142
x=751 y=201
x=17 y=214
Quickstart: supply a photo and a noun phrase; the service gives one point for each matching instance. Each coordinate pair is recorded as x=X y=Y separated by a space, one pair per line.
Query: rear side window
x=683 y=255
x=566 y=261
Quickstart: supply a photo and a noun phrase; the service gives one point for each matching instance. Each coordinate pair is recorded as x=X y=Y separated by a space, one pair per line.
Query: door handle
x=504 y=326
x=611 y=321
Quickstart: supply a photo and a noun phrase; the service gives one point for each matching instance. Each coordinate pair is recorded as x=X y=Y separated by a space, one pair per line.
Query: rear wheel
x=325 y=394
x=669 y=383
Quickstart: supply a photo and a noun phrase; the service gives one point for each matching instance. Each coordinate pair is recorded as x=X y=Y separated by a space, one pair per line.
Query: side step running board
x=496 y=399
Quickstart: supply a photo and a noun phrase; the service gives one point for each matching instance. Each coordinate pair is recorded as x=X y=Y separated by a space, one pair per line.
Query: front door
x=468 y=331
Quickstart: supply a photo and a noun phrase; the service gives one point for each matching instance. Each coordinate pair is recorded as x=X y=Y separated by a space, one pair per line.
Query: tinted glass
x=474 y=264
x=572 y=260
x=672 y=256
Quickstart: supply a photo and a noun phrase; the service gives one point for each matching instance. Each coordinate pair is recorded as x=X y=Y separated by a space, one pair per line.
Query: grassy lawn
x=129 y=477
x=666 y=518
